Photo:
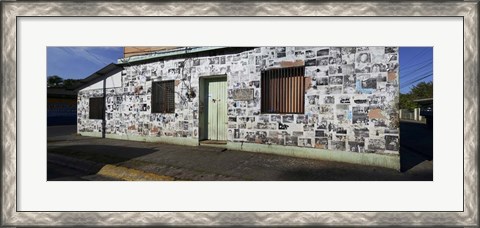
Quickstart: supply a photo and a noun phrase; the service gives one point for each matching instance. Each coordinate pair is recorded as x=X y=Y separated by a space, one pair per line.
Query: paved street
x=416 y=144
x=57 y=172
x=211 y=163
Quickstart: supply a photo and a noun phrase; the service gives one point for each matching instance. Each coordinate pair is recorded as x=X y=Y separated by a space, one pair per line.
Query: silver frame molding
x=11 y=10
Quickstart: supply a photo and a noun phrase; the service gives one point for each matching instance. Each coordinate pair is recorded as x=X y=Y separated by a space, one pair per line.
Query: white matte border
x=445 y=193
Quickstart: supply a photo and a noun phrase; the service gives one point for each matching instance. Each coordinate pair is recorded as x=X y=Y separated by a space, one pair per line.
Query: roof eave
x=166 y=53
x=100 y=75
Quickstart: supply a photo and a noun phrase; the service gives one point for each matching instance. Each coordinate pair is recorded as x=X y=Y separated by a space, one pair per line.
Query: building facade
x=61 y=107
x=334 y=103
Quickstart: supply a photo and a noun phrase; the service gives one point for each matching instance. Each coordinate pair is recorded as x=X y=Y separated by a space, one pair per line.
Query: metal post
x=104 y=107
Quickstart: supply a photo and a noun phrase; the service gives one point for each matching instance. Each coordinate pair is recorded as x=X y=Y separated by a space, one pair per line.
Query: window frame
x=280 y=76
x=166 y=108
x=101 y=111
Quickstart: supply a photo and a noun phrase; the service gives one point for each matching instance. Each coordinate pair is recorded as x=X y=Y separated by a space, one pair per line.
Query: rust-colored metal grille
x=163 y=97
x=283 y=90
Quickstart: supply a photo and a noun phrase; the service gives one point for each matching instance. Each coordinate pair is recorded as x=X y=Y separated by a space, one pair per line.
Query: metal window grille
x=96 y=108
x=283 y=90
x=163 y=97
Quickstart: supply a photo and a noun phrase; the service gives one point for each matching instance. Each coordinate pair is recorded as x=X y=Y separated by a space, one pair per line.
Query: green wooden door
x=217 y=109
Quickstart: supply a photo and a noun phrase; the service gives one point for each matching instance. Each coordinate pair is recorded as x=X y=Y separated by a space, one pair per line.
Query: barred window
x=163 y=97
x=96 y=108
x=283 y=90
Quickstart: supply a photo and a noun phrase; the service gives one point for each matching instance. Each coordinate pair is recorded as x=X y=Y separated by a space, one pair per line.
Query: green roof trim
x=165 y=53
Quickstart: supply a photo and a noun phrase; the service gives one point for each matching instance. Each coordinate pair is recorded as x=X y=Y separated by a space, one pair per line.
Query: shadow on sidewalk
x=56 y=172
x=416 y=144
x=416 y=147
x=343 y=174
x=101 y=153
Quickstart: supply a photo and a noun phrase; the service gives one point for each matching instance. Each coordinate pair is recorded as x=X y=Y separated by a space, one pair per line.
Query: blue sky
x=416 y=63
x=80 y=62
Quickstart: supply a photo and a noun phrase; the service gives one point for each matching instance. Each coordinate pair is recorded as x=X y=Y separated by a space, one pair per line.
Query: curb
x=128 y=174
x=107 y=170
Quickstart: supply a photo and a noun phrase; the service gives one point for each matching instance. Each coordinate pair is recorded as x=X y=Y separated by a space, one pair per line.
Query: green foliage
x=54 y=81
x=420 y=91
x=71 y=83
x=406 y=102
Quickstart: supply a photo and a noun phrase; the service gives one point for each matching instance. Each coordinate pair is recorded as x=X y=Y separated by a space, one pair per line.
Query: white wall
x=112 y=82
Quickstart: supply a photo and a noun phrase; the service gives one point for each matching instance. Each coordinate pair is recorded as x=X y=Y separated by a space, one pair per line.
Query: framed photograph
x=349 y=58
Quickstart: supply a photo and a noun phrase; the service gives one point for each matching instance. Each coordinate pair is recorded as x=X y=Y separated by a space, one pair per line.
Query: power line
x=412 y=66
x=67 y=50
x=415 y=71
x=420 y=53
x=419 y=79
x=94 y=56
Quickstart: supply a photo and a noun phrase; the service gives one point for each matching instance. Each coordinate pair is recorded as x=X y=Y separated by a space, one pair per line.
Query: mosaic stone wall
x=351 y=99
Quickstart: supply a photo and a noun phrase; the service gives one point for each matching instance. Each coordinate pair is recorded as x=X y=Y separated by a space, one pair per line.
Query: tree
x=406 y=102
x=71 y=83
x=54 y=81
x=420 y=91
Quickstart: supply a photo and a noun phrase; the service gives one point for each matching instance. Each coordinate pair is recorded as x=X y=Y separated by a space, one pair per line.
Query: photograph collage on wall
x=350 y=101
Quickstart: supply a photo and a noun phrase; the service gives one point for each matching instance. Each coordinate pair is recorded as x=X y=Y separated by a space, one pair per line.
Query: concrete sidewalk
x=203 y=163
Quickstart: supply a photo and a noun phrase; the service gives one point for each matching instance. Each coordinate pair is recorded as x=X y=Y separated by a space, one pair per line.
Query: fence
x=414 y=115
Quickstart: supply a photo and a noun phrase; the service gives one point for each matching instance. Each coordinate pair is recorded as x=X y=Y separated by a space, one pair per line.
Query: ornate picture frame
x=10 y=216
